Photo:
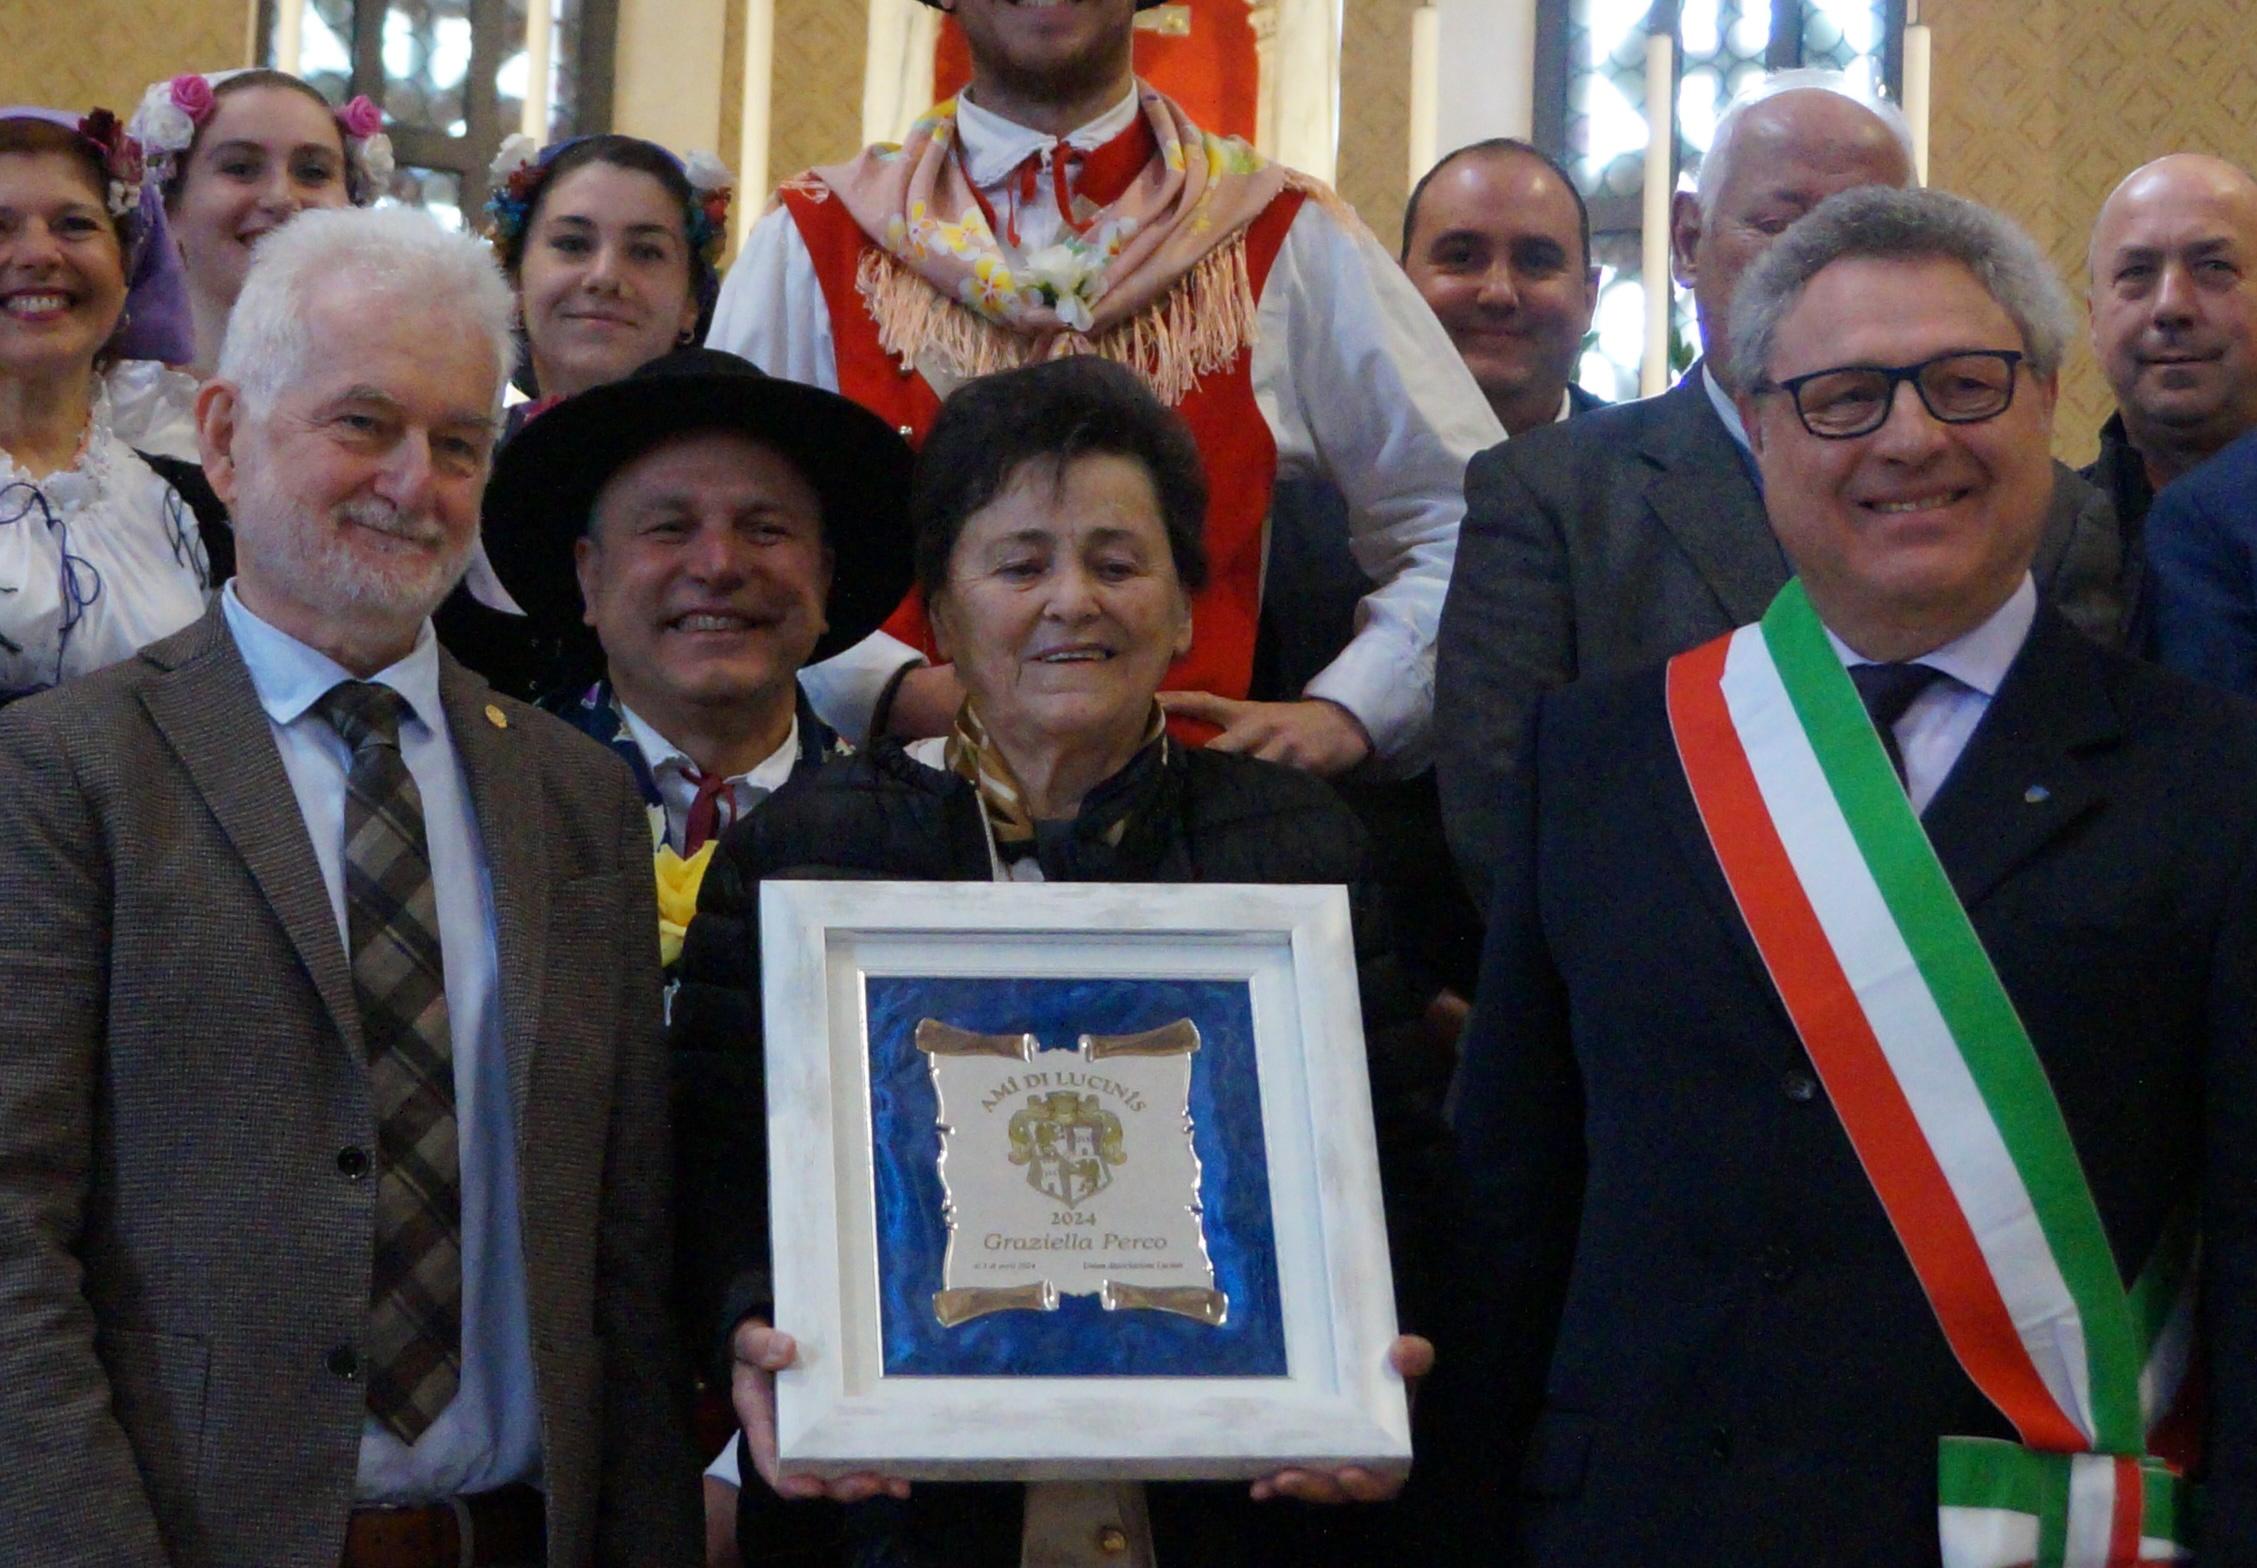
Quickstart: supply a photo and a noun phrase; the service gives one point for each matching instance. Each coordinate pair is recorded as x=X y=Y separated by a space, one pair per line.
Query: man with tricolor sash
x=1868 y=1024
x=1059 y=205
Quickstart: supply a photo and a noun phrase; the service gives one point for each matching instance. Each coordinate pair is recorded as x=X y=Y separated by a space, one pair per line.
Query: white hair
x=1716 y=164
x=382 y=258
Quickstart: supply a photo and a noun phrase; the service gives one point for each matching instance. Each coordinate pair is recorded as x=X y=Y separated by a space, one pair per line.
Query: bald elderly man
x=2171 y=296
x=1631 y=533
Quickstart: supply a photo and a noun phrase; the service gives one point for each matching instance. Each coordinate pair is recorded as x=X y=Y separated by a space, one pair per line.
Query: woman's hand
x=757 y=1353
x=1412 y=1358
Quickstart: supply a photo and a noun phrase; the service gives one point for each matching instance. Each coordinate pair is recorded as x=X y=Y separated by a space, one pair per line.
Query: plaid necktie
x=399 y=982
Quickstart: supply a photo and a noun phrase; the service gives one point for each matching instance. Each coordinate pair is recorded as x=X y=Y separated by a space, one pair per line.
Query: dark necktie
x=704 y=819
x=399 y=981
x=1888 y=689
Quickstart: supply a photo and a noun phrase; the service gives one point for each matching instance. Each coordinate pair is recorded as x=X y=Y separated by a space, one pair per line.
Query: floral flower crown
x=172 y=112
x=521 y=168
x=122 y=160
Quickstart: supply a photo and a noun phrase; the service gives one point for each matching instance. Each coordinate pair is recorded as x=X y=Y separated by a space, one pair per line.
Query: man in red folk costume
x=1061 y=206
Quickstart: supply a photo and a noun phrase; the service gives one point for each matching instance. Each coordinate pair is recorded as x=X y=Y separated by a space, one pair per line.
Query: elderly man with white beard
x=333 y=1135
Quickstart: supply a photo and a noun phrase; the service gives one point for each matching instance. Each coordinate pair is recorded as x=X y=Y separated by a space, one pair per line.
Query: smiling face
x=604 y=279
x=266 y=153
x=1062 y=609
x=1045 y=51
x=704 y=574
x=2173 y=302
x=1498 y=253
x=1915 y=533
x=1788 y=154
x=62 y=273
x=355 y=495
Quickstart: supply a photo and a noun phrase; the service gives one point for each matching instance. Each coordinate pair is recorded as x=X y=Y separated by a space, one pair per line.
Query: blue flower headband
x=522 y=166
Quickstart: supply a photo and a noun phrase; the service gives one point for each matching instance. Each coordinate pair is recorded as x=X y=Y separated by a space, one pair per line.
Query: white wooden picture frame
x=1336 y=1401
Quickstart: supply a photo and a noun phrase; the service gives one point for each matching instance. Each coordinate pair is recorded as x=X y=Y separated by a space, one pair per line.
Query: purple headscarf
x=156 y=323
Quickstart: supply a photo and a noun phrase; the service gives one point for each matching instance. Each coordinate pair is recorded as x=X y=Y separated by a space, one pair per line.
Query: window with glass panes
x=452 y=78
x=1591 y=113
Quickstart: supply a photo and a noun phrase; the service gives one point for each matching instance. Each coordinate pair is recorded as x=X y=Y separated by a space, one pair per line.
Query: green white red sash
x=1946 y=1104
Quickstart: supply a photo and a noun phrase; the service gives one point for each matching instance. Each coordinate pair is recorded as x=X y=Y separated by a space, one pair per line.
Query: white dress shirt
x=675 y=775
x=1337 y=318
x=1935 y=729
x=1726 y=410
x=490 y=1435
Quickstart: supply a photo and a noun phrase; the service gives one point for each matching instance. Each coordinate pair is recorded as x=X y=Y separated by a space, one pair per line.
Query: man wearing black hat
x=714 y=529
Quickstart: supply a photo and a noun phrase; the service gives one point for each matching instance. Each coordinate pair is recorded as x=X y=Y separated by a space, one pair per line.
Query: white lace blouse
x=96 y=561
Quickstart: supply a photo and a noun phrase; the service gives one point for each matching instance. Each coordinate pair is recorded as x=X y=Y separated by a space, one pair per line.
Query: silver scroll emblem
x=1069 y=1173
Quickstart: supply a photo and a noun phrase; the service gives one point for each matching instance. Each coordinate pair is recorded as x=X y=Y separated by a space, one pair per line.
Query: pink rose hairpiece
x=173 y=111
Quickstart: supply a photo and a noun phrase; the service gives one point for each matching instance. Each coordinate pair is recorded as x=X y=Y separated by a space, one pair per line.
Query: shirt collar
x=1567 y=404
x=1978 y=659
x=770 y=775
x=291 y=677
x=1726 y=409
x=994 y=146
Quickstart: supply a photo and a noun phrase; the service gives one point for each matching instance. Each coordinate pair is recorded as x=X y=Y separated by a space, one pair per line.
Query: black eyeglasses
x=1964 y=388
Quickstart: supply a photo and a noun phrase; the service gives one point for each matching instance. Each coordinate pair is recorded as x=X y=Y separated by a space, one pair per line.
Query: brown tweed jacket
x=182 y=1256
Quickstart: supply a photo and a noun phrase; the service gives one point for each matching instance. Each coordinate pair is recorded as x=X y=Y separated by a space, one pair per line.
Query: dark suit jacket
x=2202 y=570
x=181 y=1251
x=1624 y=536
x=1689 y=1329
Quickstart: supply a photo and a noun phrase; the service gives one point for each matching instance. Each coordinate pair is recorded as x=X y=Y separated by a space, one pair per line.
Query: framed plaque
x=1074 y=1181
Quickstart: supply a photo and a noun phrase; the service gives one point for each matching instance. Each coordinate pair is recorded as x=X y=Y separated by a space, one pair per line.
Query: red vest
x=1239 y=452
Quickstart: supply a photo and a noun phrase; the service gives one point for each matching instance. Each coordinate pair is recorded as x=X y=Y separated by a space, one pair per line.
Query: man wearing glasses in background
x=1868 y=1009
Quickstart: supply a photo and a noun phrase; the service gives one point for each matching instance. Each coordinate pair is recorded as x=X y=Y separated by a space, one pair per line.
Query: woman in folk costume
x=235 y=154
x=1060 y=206
x=610 y=243
x=99 y=553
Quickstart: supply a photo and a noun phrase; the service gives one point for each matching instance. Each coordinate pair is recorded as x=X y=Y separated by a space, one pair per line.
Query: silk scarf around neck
x=1154 y=276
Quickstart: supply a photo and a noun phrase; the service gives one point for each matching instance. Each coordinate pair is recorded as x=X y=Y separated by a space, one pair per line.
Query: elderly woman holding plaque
x=1058 y=515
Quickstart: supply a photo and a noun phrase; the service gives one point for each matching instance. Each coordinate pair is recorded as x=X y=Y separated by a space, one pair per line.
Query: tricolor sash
x=1947 y=1105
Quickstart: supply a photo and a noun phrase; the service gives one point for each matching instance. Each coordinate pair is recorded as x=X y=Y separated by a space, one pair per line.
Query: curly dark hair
x=1051 y=414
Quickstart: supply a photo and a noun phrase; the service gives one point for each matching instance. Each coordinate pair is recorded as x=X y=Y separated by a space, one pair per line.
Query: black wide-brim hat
x=546 y=479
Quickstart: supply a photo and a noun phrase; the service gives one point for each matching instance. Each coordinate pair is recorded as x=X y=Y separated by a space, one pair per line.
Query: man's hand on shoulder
x=1313 y=734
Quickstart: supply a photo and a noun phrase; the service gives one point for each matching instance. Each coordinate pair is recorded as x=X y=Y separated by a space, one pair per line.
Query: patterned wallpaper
x=1375 y=111
x=2041 y=106
x=820 y=46
x=74 y=54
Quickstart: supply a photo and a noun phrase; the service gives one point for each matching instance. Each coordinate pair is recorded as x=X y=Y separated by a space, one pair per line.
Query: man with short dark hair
x=1497 y=239
x=1633 y=532
x=1870 y=1010
x=2171 y=294
x=333 y=1131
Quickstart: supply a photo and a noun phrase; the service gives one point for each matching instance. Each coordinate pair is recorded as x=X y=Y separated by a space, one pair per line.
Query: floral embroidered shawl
x=1156 y=280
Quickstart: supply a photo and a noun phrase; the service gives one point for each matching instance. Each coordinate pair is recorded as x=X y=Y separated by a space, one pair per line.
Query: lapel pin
x=494 y=716
x=2037 y=794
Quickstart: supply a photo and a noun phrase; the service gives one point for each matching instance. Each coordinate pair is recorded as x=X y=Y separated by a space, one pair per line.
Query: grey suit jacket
x=1625 y=535
x=183 y=1256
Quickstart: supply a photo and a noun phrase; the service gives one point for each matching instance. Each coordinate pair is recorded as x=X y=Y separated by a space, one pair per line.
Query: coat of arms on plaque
x=1069 y=1144
x=1086 y=1217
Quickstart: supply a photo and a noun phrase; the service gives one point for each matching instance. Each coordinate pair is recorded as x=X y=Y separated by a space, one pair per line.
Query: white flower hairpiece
x=705 y=172
x=517 y=151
